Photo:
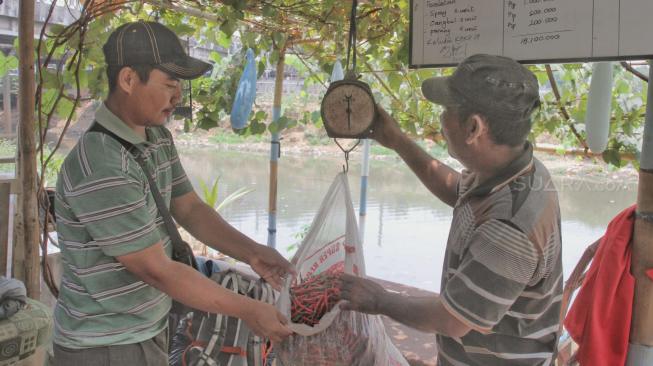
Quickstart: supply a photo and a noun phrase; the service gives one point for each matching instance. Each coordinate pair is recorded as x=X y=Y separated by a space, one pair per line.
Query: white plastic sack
x=340 y=338
x=337 y=74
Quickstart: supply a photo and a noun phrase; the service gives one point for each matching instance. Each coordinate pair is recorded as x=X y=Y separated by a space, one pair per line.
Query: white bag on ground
x=340 y=338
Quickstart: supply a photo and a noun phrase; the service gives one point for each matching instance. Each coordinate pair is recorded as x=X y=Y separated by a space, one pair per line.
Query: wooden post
x=6 y=100
x=5 y=191
x=275 y=149
x=642 y=323
x=641 y=329
x=26 y=160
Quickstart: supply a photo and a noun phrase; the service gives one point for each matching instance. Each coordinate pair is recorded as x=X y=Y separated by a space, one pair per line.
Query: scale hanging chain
x=351 y=44
x=351 y=52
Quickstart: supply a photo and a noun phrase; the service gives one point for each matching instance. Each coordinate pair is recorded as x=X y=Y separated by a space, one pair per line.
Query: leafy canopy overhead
x=310 y=35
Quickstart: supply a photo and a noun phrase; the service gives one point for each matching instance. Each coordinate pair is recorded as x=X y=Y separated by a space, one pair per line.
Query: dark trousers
x=152 y=352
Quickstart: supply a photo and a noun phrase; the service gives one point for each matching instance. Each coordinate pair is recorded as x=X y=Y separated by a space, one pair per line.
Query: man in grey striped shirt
x=118 y=275
x=502 y=274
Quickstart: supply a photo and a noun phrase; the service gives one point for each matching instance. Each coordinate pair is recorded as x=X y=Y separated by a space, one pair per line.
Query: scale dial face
x=348 y=109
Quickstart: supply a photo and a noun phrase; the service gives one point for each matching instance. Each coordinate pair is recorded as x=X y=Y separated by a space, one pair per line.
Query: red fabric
x=599 y=319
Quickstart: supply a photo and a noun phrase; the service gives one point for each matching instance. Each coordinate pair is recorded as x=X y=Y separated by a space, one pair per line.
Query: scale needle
x=348 y=99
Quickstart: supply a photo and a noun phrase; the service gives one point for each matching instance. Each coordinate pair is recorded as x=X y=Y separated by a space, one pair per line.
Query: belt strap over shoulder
x=181 y=251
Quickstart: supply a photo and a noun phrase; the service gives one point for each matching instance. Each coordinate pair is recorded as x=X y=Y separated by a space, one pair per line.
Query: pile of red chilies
x=314 y=297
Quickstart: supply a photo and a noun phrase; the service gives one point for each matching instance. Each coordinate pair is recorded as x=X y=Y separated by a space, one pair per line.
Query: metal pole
x=26 y=162
x=5 y=198
x=6 y=101
x=365 y=173
x=599 y=106
x=275 y=150
x=640 y=351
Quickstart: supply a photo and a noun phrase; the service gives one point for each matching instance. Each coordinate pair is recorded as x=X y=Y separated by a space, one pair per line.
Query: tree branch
x=382 y=82
x=301 y=59
x=563 y=109
x=632 y=70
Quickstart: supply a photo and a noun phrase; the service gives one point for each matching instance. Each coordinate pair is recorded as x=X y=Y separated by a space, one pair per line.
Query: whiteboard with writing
x=444 y=32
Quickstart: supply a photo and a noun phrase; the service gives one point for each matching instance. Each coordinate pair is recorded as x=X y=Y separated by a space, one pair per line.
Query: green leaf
x=248 y=39
x=97 y=82
x=316 y=116
x=278 y=38
x=235 y=196
x=223 y=39
x=394 y=80
x=261 y=69
x=11 y=62
x=257 y=128
x=207 y=123
x=215 y=56
x=48 y=98
x=229 y=26
x=260 y=115
x=7 y=63
x=611 y=156
x=283 y=121
x=274 y=127
x=240 y=5
x=425 y=74
x=51 y=80
x=64 y=108
x=294 y=62
x=404 y=51
x=268 y=11
x=210 y=195
x=182 y=29
x=73 y=41
x=274 y=57
x=580 y=112
x=55 y=29
x=83 y=79
x=621 y=87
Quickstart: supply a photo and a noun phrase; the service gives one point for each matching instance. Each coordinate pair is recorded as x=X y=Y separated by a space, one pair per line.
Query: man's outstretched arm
x=425 y=313
x=183 y=283
x=207 y=226
x=438 y=177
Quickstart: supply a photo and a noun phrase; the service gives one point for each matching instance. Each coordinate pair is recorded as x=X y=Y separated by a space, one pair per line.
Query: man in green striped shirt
x=119 y=277
x=501 y=288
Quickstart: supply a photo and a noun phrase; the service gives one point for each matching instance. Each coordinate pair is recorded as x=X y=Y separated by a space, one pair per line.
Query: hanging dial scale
x=348 y=109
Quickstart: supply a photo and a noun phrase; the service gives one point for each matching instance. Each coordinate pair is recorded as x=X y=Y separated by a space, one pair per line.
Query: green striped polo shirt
x=502 y=274
x=104 y=209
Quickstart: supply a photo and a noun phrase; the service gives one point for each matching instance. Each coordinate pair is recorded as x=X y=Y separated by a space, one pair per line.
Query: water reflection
x=406 y=227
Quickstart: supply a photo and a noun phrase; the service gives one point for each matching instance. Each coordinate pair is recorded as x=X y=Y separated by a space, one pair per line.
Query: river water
x=406 y=227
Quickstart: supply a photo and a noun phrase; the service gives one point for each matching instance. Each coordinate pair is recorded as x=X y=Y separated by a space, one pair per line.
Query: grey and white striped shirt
x=502 y=274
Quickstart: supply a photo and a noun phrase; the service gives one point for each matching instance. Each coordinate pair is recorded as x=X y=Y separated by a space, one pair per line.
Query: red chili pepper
x=315 y=296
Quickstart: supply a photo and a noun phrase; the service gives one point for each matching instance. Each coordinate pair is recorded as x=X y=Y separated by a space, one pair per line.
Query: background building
x=63 y=14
